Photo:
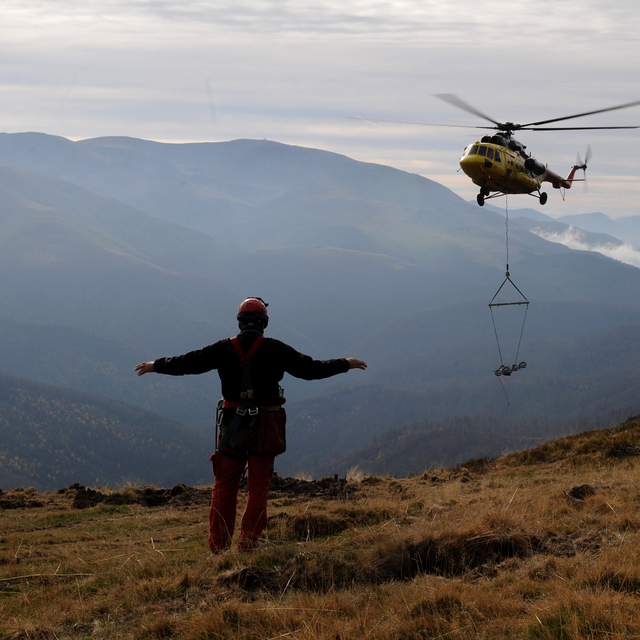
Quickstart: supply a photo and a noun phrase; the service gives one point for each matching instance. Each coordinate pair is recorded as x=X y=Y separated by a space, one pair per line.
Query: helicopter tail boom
x=557 y=181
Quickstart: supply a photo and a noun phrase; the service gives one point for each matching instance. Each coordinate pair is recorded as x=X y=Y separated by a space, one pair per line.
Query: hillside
x=68 y=357
x=538 y=544
x=449 y=442
x=73 y=258
x=394 y=241
x=580 y=372
x=51 y=437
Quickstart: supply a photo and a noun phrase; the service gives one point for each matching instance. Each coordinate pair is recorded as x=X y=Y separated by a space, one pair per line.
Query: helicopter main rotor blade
x=586 y=113
x=422 y=124
x=461 y=104
x=525 y=128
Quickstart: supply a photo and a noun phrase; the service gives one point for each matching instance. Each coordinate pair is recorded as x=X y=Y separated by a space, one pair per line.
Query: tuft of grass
x=354 y=474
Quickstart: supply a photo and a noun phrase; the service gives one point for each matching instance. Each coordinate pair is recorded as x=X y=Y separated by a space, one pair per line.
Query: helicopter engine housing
x=537 y=168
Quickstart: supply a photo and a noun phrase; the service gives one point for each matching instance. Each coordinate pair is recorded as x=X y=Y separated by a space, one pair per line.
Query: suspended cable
x=526 y=310
x=506 y=224
x=505 y=369
x=496 y=333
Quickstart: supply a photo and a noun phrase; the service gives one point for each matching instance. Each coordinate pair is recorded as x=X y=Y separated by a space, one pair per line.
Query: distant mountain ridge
x=618 y=239
x=626 y=229
x=577 y=238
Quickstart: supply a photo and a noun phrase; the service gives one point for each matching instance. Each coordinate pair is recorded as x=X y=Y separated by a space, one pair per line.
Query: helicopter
x=499 y=164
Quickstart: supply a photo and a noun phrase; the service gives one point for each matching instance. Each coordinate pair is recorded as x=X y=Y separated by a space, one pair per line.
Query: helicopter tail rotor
x=582 y=166
x=579 y=163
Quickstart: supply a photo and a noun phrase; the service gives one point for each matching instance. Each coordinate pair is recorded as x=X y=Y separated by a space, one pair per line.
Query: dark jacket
x=269 y=364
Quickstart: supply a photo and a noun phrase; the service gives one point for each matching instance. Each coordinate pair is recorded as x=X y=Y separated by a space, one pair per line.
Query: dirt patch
x=459 y=474
x=305 y=527
x=453 y=553
x=473 y=555
x=623 y=450
x=582 y=492
x=331 y=487
x=18 y=500
x=179 y=495
x=569 y=546
x=251 y=579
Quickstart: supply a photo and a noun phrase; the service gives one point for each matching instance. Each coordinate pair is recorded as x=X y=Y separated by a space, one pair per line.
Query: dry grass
x=488 y=550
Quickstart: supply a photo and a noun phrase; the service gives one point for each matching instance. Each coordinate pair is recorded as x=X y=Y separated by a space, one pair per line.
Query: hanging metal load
x=505 y=369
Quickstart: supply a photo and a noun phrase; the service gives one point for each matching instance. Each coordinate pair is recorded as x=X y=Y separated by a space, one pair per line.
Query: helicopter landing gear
x=485 y=192
x=543 y=198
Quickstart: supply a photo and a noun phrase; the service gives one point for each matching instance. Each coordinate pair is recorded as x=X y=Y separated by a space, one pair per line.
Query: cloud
x=575 y=239
x=377 y=18
x=289 y=70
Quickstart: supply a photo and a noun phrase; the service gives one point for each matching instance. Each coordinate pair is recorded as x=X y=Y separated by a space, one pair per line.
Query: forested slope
x=51 y=437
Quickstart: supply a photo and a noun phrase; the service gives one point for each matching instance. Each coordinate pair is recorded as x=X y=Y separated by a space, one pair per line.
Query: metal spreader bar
x=504 y=304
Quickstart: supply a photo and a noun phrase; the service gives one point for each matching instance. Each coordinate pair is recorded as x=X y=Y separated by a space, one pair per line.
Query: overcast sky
x=291 y=70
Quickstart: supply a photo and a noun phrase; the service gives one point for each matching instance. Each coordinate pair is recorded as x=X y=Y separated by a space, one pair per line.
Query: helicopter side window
x=498 y=158
x=482 y=151
x=490 y=153
x=474 y=150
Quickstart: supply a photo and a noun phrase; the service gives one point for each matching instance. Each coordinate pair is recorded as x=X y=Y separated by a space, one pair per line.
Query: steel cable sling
x=504 y=369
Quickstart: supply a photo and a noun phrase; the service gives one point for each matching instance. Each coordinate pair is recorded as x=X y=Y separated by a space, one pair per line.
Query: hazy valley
x=118 y=250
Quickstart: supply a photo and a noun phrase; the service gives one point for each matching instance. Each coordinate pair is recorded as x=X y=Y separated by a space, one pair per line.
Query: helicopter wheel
x=543 y=198
x=480 y=200
x=485 y=191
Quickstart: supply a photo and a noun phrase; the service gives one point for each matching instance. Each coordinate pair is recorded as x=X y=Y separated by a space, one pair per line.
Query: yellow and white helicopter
x=499 y=164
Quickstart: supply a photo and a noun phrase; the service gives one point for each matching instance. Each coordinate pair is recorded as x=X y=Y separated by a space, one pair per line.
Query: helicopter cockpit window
x=498 y=158
x=474 y=150
x=482 y=151
x=490 y=153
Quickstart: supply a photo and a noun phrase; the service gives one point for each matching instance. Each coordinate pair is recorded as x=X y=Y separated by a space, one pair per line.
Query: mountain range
x=618 y=239
x=118 y=250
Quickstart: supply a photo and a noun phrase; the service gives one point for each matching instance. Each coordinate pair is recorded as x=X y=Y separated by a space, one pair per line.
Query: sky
x=290 y=71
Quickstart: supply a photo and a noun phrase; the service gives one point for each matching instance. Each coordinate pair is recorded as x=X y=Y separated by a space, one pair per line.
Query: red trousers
x=224 y=499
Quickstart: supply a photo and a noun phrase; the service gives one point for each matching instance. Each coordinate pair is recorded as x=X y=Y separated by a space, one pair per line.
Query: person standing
x=252 y=419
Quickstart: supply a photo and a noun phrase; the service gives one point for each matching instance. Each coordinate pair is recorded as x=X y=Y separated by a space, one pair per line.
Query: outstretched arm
x=145 y=367
x=354 y=363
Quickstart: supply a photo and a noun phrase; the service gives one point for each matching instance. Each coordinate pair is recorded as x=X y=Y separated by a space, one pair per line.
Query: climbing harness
x=247 y=402
x=508 y=369
x=259 y=422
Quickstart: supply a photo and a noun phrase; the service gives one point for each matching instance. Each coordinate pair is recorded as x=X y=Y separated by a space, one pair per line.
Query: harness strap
x=254 y=347
x=266 y=403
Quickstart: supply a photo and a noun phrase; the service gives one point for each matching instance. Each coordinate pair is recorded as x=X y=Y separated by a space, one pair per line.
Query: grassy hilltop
x=538 y=544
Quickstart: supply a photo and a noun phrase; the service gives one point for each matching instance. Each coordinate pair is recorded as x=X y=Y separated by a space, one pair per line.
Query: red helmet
x=253 y=310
